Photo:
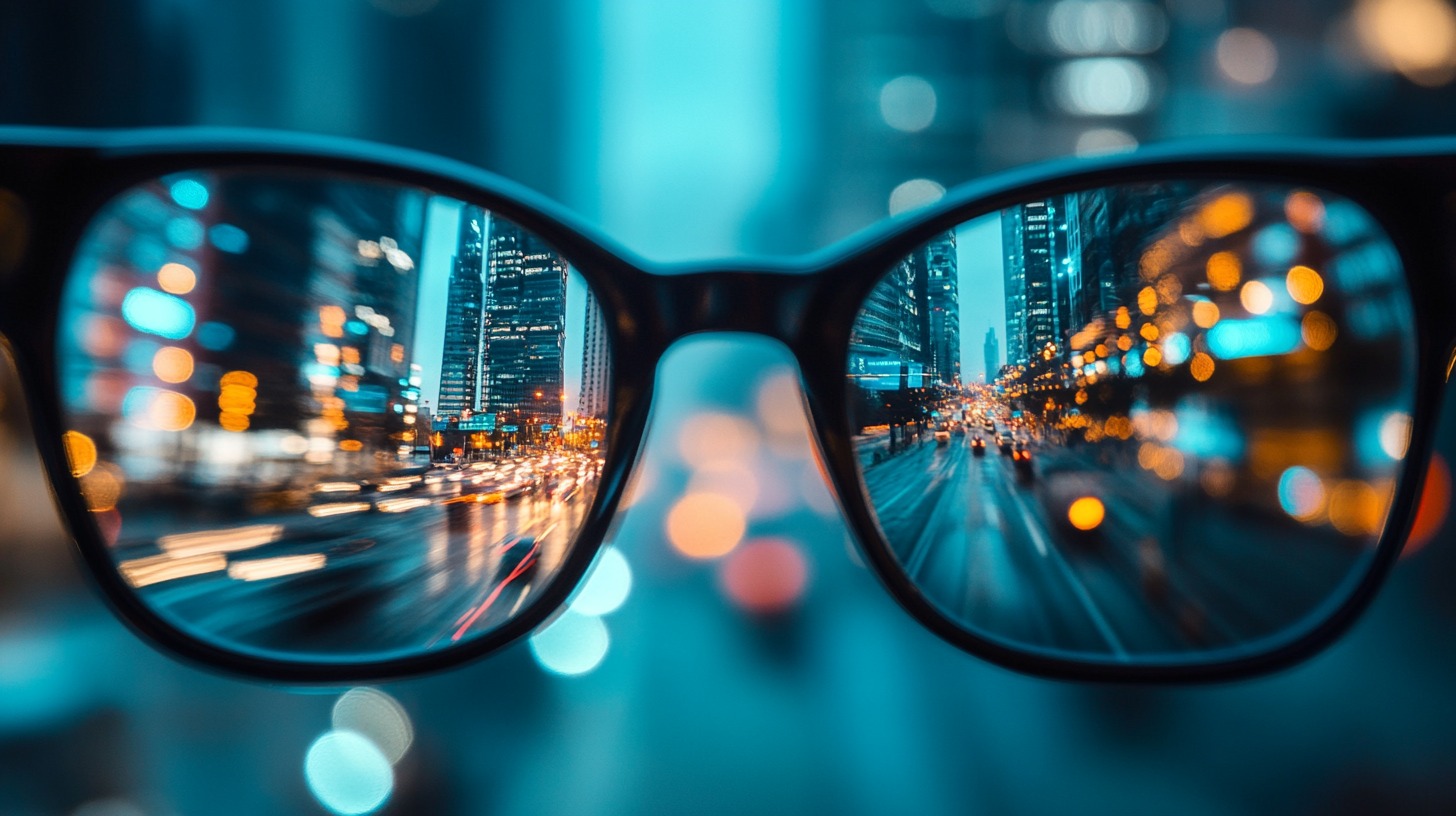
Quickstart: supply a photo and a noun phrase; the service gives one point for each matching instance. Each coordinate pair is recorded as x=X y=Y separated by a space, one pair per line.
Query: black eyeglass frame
x=58 y=180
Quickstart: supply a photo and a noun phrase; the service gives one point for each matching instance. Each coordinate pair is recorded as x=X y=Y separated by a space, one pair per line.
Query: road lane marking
x=1078 y=588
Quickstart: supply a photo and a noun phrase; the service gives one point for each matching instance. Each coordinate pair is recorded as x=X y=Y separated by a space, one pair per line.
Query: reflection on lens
x=329 y=418
x=1155 y=423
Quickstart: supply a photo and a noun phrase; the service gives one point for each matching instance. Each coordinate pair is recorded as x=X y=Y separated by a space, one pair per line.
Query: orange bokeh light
x=1433 y=506
x=705 y=525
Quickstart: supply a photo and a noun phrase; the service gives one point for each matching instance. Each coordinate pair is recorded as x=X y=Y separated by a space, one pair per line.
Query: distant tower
x=460 y=362
x=595 y=365
x=992 y=350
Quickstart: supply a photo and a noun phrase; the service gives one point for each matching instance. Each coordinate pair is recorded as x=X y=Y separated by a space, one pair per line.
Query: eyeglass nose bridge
x=773 y=303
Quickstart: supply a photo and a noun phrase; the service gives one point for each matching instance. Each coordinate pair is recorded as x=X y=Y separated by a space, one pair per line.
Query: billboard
x=876 y=372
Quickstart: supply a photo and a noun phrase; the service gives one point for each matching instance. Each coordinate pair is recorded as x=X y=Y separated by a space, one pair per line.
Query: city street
x=412 y=570
x=995 y=551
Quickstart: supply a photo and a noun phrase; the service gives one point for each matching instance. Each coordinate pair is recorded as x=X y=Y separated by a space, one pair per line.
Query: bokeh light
x=1102 y=86
x=1246 y=56
x=348 y=773
x=1417 y=38
x=705 y=525
x=573 y=644
x=81 y=451
x=1301 y=493
x=1256 y=297
x=172 y=364
x=709 y=438
x=377 y=716
x=913 y=194
x=608 y=586
x=907 y=103
x=765 y=575
x=1086 y=513
x=1435 y=503
x=1304 y=284
x=176 y=278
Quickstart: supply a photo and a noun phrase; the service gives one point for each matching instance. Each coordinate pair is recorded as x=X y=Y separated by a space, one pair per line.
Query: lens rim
x=1403 y=195
x=111 y=173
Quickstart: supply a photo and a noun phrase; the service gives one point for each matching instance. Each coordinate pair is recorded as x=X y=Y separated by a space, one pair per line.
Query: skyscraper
x=942 y=343
x=595 y=365
x=1034 y=240
x=992 y=349
x=460 y=361
x=525 y=320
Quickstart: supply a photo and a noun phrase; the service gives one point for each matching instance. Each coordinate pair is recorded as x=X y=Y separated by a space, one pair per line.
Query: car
x=942 y=436
x=1021 y=460
x=978 y=445
x=1003 y=443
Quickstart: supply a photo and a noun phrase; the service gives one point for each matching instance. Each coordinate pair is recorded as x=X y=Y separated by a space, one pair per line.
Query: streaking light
x=261 y=569
x=573 y=644
x=347 y=773
x=607 y=588
x=155 y=569
x=220 y=541
x=1258 y=337
x=159 y=313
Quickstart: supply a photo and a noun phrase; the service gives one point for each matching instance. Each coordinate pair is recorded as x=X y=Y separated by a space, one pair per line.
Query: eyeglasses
x=317 y=410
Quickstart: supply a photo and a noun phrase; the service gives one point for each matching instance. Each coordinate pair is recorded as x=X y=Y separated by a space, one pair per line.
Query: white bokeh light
x=907 y=103
x=913 y=194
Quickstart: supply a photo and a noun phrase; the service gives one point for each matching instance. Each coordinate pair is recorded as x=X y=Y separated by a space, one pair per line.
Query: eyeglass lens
x=1143 y=423
x=322 y=417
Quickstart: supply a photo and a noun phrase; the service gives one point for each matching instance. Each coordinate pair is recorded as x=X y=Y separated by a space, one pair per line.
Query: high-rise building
x=460 y=360
x=885 y=345
x=942 y=343
x=992 y=350
x=595 y=363
x=1034 y=240
x=525 y=320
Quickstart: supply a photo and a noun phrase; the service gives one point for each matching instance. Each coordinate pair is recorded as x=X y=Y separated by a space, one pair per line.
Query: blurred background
x=778 y=677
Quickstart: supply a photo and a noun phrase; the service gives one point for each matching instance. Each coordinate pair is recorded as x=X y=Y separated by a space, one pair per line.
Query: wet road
x=428 y=571
x=994 y=550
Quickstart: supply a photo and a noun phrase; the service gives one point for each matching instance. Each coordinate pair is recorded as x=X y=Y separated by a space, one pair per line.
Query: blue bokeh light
x=347 y=773
x=185 y=233
x=189 y=193
x=573 y=644
x=607 y=588
x=154 y=312
x=228 y=238
x=215 y=336
x=1257 y=337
